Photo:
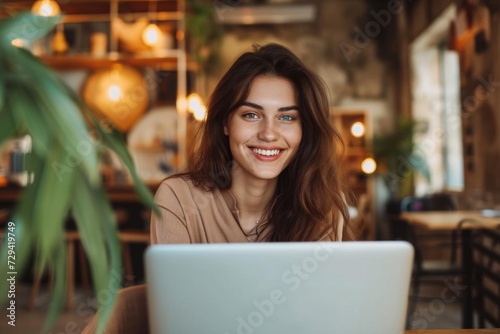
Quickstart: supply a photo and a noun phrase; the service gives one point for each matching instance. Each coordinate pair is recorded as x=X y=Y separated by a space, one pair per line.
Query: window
x=436 y=100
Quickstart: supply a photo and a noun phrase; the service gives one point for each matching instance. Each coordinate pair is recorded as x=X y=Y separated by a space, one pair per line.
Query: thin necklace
x=254 y=230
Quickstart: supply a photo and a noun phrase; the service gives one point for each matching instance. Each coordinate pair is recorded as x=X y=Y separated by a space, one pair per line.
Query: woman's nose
x=268 y=131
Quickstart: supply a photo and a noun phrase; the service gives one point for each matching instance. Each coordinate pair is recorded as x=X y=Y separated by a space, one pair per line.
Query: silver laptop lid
x=272 y=288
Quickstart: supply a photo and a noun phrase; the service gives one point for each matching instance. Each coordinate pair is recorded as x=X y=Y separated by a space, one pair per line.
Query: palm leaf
x=27 y=27
x=66 y=179
x=60 y=284
x=113 y=140
x=106 y=261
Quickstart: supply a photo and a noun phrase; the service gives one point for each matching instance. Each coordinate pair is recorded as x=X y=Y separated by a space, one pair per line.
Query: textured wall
x=352 y=73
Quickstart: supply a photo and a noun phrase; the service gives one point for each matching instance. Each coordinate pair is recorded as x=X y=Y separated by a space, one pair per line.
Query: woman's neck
x=252 y=199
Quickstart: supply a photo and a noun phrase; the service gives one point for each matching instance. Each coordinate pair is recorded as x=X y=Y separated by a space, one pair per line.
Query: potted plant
x=397 y=156
x=204 y=36
x=64 y=162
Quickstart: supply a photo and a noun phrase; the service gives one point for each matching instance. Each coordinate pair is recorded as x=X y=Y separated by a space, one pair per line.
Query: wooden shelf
x=167 y=62
x=159 y=17
x=356 y=149
x=92 y=10
x=83 y=16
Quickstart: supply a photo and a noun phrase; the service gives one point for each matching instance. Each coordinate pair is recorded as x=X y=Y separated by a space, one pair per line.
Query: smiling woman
x=266 y=163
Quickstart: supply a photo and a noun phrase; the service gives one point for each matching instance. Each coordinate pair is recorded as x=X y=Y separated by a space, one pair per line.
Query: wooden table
x=454 y=331
x=122 y=198
x=465 y=222
x=449 y=220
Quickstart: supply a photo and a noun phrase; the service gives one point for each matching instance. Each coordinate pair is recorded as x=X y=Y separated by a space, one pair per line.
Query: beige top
x=191 y=214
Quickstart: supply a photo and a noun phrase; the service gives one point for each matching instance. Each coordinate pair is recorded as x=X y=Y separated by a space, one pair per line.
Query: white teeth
x=266 y=152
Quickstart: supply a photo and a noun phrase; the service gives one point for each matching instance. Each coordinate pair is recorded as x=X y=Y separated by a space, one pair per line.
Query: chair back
x=486 y=277
x=414 y=203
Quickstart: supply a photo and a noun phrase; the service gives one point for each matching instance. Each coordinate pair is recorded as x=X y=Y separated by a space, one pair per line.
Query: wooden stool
x=128 y=237
x=72 y=237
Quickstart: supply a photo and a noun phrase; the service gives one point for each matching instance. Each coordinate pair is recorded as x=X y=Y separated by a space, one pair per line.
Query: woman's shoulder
x=180 y=186
x=177 y=181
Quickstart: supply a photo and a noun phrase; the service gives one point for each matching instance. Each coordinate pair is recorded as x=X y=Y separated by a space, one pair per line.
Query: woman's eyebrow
x=256 y=106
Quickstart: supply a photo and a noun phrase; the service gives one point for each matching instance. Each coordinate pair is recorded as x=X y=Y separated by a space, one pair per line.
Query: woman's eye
x=250 y=115
x=287 y=118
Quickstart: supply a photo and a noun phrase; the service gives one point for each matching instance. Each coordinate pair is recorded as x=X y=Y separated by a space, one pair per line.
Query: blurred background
x=414 y=91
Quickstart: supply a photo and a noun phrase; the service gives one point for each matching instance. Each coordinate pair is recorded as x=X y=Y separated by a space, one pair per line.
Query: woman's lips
x=266 y=154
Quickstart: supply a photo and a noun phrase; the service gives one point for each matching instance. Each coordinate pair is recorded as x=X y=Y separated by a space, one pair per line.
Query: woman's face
x=266 y=130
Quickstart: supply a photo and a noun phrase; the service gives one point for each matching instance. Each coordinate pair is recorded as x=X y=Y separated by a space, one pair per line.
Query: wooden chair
x=126 y=237
x=486 y=277
x=130 y=236
x=72 y=243
x=425 y=270
x=130 y=314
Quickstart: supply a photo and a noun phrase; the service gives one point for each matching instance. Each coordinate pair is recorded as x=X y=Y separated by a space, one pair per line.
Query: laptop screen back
x=292 y=288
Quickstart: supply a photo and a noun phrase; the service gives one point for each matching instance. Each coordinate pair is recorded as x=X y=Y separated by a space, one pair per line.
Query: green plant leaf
x=26 y=26
x=64 y=161
x=24 y=236
x=2 y=87
x=113 y=139
x=63 y=112
x=50 y=212
x=7 y=126
x=394 y=150
x=20 y=103
x=98 y=227
x=60 y=284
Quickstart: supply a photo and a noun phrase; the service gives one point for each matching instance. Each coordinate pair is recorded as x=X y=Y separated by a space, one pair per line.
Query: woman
x=266 y=166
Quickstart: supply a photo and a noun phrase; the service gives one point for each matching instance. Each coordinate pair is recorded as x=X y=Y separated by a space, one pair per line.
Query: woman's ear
x=226 y=131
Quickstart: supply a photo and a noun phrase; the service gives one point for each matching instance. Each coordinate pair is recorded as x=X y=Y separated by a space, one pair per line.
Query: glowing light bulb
x=18 y=42
x=358 y=129
x=368 y=166
x=151 y=35
x=194 y=102
x=181 y=104
x=200 y=113
x=46 y=8
x=114 y=92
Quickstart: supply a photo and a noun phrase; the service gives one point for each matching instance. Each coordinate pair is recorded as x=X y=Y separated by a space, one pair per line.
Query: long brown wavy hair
x=310 y=196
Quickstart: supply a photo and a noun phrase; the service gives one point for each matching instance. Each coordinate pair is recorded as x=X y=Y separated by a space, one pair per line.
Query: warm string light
x=368 y=166
x=358 y=129
x=46 y=8
x=151 y=34
x=200 y=113
x=18 y=42
x=196 y=107
x=114 y=92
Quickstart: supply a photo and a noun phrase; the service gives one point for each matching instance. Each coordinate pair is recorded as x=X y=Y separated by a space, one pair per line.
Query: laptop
x=274 y=288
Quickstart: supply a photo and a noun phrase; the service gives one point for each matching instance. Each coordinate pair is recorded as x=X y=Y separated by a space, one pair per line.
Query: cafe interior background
x=412 y=81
